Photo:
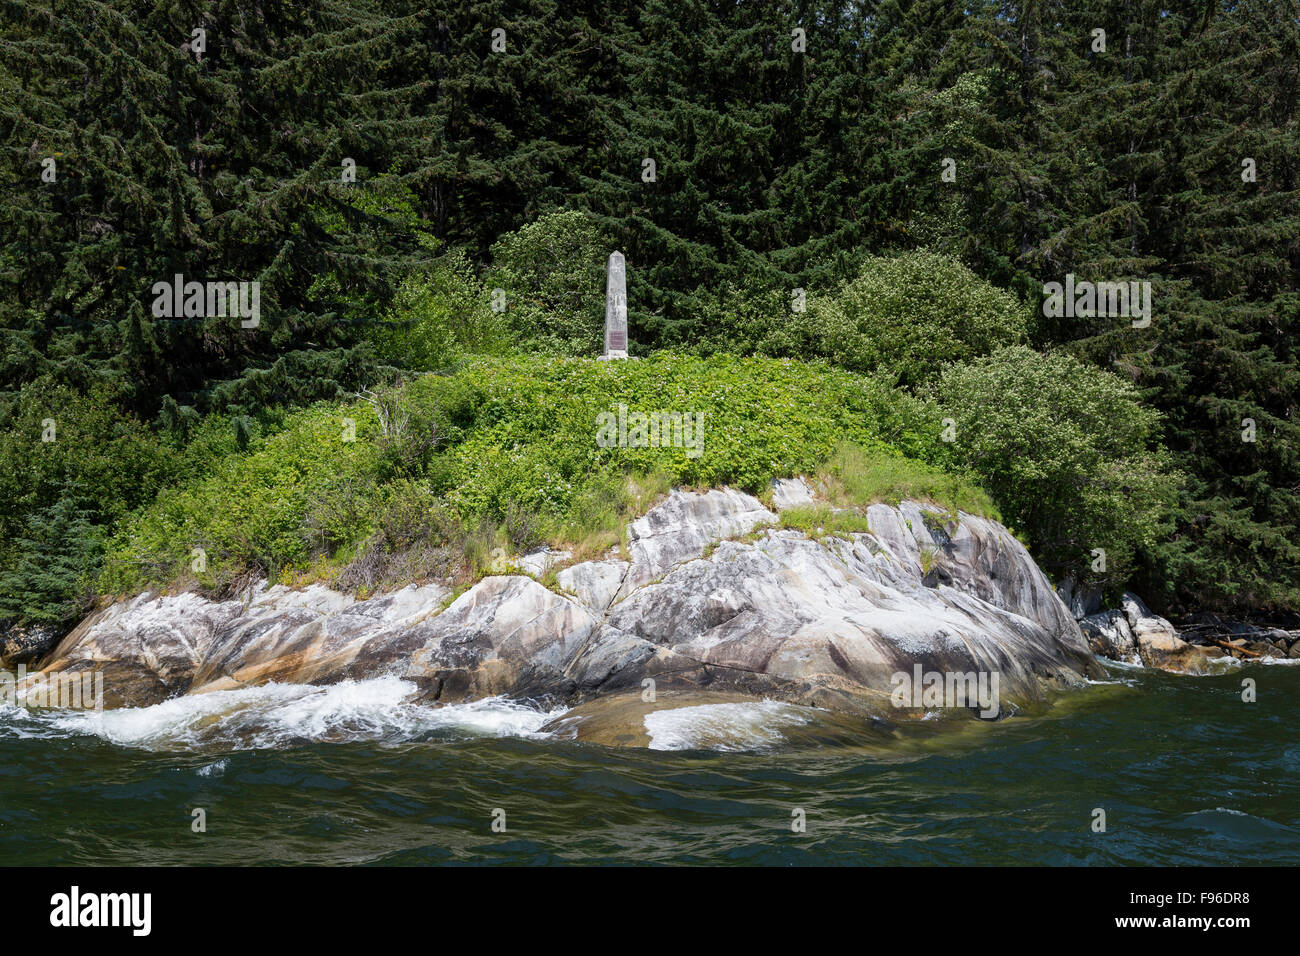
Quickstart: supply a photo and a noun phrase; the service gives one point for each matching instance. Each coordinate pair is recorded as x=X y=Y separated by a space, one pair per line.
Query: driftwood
x=1233 y=647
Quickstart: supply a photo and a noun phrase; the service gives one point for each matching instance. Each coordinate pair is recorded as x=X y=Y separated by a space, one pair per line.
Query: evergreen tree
x=216 y=158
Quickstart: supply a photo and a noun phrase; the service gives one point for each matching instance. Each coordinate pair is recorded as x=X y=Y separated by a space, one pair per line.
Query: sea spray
x=270 y=716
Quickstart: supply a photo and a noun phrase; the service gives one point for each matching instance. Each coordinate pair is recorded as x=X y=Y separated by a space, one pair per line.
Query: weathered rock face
x=1081 y=602
x=682 y=527
x=778 y=615
x=1136 y=635
x=830 y=623
x=1157 y=641
x=1109 y=635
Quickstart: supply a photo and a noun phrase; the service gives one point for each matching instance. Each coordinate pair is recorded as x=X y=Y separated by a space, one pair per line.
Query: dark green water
x=1186 y=772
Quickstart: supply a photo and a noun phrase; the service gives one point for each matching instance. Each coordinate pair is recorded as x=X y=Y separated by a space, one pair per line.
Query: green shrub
x=448 y=472
x=553 y=275
x=1064 y=448
x=289 y=499
x=439 y=317
x=58 y=497
x=754 y=318
x=906 y=316
x=535 y=440
x=416 y=538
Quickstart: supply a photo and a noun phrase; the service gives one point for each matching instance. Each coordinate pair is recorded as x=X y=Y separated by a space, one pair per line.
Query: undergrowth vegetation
x=449 y=476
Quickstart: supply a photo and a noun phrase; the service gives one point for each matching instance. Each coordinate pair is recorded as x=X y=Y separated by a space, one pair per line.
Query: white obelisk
x=616 y=308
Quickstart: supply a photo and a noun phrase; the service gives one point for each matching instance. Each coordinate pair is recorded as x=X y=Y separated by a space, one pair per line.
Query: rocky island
x=712 y=595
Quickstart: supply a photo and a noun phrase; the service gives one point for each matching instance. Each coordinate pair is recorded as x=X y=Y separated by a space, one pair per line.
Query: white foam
x=724 y=727
x=1117 y=682
x=18 y=722
x=280 y=715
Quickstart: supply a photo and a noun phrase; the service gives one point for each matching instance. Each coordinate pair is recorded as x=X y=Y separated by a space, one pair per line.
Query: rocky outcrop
x=1136 y=635
x=1082 y=602
x=594 y=583
x=1109 y=635
x=23 y=644
x=1242 y=639
x=1157 y=641
x=682 y=527
x=714 y=596
x=829 y=623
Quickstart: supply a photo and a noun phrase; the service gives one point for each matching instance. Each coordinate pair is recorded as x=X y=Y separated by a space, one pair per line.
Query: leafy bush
x=553 y=274
x=906 y=316
x=752 y=318
x=290 y=497
x=448 y=471
x=535 y=440
x=516 y=461
x=416 y=538
x=1064 y=448
x=439 y=317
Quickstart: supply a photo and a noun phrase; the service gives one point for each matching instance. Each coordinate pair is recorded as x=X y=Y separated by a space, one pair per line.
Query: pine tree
x=218 y=160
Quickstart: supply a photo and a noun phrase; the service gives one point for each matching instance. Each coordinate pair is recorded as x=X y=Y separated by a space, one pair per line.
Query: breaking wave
x=724 y=727
x=271 y=716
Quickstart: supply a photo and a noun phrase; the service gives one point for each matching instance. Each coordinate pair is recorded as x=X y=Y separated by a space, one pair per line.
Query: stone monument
x=616 y=309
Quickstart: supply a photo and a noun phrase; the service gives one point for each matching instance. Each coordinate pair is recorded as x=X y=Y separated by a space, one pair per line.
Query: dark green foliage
x=71 y=466
x=552 y=274
x=1065 y=450
x=776 y=171
x=47 y=572
x=225 y=165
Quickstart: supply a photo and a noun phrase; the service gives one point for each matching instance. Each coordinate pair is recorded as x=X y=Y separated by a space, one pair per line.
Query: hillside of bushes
x=430 y=478
x=487 y=444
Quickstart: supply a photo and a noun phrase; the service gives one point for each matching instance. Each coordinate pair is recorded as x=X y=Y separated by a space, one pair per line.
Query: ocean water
x=358 y=773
